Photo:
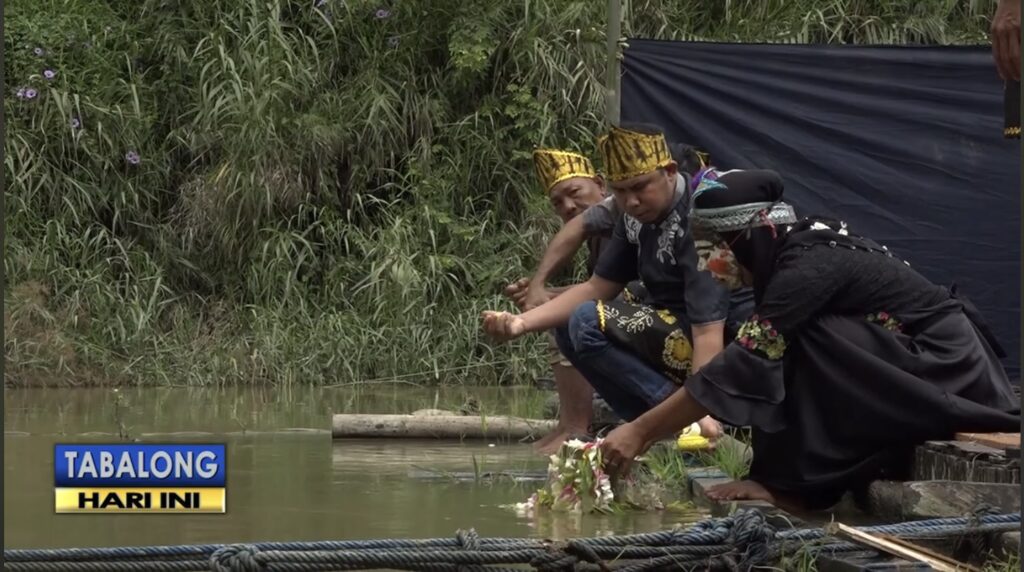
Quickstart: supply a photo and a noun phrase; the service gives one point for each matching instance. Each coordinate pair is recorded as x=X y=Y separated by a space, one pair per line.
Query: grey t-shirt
x=598 y=226
x=600 y=219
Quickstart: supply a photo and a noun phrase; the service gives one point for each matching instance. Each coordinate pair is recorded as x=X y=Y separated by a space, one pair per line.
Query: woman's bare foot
x=740 y=490
x=751 y=490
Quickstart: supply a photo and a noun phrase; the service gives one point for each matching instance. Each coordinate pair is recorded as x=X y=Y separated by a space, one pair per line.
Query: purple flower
x=132 y=157
x=393 y=41
x=38 y=52
x=30 y=93
x=21 y=93
x=382 y=13
x=75 y=123
x=49 y=74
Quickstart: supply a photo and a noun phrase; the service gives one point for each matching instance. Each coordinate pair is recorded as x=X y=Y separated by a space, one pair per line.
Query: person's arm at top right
x=1006 y=39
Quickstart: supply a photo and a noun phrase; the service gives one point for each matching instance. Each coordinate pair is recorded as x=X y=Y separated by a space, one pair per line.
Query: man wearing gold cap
x=577 y=195
x=635 y=355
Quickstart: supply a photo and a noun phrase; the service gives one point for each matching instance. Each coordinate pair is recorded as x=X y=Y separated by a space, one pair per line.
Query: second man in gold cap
x=635 y=354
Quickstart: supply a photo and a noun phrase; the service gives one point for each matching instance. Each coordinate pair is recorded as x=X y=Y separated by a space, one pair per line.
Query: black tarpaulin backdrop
x=904 y=143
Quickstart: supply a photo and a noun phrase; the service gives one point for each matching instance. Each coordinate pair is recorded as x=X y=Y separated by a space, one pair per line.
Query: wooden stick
x=996 y=440
x=899 y=548
x=928 y=552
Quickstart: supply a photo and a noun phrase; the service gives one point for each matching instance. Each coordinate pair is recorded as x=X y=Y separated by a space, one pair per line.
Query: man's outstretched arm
x=560 y=251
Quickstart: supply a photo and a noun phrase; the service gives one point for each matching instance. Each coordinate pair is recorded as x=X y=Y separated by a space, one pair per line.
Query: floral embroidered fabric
x=886 y=320
x=759 y=336
x=716 y=258
x=653 y=334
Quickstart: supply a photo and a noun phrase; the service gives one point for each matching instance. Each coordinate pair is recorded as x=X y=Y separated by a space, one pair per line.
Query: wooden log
x=438 y=427
x=938 y=499
x=995 y=440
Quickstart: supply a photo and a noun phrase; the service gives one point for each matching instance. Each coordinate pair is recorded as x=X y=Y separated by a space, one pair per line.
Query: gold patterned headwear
x=629 y=154
x=555 y=166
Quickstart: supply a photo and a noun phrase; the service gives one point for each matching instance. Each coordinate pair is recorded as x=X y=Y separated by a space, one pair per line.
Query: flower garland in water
x=576 y=481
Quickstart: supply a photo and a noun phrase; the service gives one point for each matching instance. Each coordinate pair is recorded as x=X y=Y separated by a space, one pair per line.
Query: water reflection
x=286 y=485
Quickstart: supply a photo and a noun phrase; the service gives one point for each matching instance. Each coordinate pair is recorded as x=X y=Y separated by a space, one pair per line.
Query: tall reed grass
x=279 y=191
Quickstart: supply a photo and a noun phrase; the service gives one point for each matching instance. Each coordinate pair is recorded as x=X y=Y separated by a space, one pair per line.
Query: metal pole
x=612 y=94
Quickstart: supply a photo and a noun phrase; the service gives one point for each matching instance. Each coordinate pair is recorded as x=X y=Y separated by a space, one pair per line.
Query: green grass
x=666 y=463
x=732 y=457
x=1006 y=563
x=323 y=196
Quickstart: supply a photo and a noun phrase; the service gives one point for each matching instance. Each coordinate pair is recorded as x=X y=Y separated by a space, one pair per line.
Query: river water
x=287 y=478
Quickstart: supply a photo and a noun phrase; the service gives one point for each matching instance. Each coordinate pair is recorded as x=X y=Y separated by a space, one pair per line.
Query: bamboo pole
x=612 y=93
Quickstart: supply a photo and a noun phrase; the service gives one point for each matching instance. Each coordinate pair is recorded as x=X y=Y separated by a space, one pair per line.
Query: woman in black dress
x=851 y=359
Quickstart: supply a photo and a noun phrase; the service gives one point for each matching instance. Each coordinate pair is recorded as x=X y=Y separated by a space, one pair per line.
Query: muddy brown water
x=287 y=479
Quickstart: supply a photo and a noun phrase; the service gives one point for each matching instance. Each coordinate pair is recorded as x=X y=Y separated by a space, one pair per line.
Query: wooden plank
x=996 y=440
x=927 y=552
x=936 y=561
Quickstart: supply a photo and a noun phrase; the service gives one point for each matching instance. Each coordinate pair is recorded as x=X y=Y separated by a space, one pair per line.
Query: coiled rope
x=736 y=542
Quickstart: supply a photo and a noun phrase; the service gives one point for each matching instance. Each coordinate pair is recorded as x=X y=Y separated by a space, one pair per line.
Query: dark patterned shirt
x=664 y=257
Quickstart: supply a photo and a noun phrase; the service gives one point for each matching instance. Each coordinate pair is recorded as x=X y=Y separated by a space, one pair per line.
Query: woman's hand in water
x=621 y=446
x=503 y=326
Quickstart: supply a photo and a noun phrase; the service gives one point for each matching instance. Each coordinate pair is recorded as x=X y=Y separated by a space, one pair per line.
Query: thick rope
x=739 y=542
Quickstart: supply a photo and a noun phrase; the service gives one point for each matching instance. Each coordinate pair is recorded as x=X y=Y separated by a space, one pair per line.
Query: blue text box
x=150 y=464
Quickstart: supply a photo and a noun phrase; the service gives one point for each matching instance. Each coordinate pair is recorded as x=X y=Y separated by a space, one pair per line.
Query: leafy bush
x=284 y=191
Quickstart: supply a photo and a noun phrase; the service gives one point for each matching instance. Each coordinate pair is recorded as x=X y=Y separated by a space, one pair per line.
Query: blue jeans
x=626 y=383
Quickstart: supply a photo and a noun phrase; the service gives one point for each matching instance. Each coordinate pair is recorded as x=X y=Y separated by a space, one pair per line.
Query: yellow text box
x=103 y=500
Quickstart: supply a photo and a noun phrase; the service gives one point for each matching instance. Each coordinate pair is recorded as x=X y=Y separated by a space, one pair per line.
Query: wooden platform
x=974 y=458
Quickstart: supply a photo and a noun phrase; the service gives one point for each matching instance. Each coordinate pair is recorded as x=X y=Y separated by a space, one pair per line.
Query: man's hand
x=503 y=326
x=516 y=288
x=535 y=297
x=620 y=447
x=517 y=291
x=1006 y=39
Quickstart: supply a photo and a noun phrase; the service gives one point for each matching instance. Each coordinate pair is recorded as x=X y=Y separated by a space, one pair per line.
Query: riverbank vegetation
x=320 y=191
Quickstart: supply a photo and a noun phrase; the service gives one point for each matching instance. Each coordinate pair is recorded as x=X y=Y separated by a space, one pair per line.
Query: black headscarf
x=745 y=208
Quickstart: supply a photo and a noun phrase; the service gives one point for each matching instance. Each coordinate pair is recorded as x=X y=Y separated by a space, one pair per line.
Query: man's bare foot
x=551 y=442
x=547 y=439
x=740 y=490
